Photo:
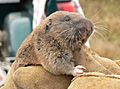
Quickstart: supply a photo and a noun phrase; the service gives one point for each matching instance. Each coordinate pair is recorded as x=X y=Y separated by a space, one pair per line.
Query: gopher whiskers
x=102 y=27
x=99 y=34
x=94 y=37
x=100 y=30
x=61 y=33
x=79 y=33
x=72 y=39
x=96 y=14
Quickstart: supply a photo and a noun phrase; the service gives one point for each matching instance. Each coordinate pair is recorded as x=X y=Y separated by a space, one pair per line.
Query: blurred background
x=16 y=23
x=105 y=14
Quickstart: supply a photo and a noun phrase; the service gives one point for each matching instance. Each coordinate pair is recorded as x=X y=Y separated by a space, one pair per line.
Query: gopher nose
x=87 y=26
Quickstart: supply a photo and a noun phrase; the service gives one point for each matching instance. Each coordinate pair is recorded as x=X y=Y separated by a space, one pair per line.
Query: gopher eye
x=47 y=28
x=48 y=25
x=67 y=18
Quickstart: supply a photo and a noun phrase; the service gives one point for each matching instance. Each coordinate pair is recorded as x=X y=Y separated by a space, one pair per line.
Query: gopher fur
x=36 y=77
x=35 y=64
x=50 y=45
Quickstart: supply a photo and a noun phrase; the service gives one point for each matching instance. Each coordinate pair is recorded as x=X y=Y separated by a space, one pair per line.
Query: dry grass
x=105 y=14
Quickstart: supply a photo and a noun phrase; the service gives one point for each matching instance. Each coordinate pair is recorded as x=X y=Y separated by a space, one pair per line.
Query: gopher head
x=70 y=27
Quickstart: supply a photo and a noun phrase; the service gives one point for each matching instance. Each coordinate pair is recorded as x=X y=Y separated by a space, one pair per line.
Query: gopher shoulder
x=26 y=54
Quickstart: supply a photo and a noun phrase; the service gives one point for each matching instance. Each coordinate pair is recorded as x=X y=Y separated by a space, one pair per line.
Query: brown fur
x=26 y=72
x=52 y=44
x=32 y=77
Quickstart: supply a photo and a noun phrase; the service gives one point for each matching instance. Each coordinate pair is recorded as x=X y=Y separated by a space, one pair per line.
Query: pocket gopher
x=53 y=42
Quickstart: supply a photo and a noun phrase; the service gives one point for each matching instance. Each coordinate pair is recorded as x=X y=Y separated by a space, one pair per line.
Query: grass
x=106 y=15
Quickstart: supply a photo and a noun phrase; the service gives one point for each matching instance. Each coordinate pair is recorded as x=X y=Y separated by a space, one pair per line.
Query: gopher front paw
x=78 y=70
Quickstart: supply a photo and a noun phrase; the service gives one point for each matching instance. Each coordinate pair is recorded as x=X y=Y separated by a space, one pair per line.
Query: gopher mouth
x=77 y=38
x=75 y=41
